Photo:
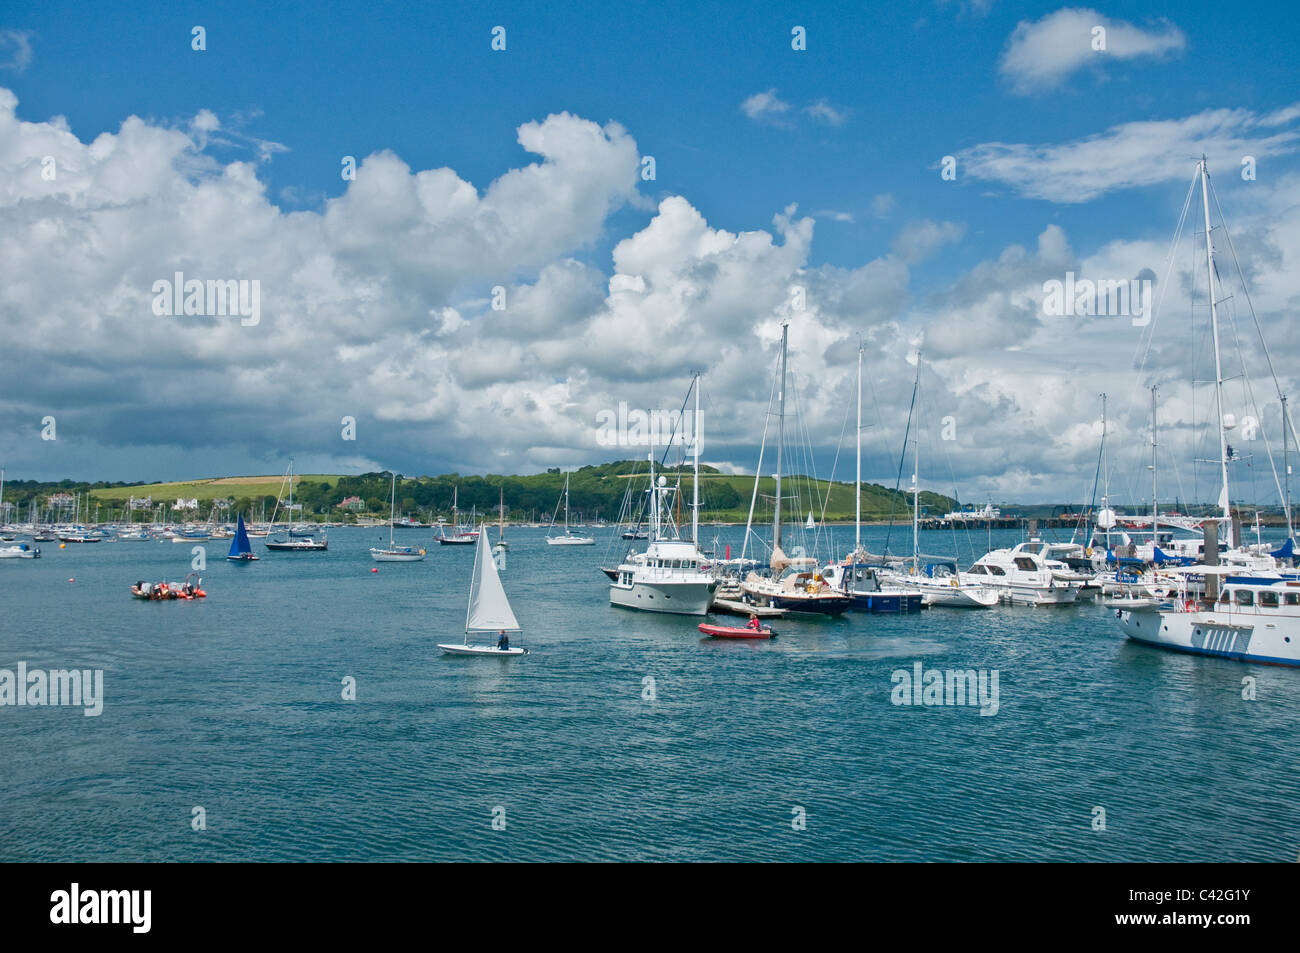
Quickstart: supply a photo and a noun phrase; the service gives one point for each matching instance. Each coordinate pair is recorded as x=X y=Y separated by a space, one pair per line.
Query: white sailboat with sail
x=489 y=610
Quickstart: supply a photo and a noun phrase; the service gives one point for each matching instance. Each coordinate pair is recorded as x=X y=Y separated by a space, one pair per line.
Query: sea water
x=226 y=735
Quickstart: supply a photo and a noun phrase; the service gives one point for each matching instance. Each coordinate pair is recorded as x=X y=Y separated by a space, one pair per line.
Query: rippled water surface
x=234 y=704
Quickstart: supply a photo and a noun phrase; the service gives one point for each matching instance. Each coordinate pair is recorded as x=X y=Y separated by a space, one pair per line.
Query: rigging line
x=1249 y=388
x=758 y=473
x=1150 y=334
x=1250 y=304
x=901 y=459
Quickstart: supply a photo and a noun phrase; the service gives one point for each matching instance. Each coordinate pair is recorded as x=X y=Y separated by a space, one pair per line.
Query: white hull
x=680 y=598
x=959 y=597
x=13 y=553
x=458 y=649
x=1038 y=596
x=570 y=541
x=1246 y=637
x=388 y=556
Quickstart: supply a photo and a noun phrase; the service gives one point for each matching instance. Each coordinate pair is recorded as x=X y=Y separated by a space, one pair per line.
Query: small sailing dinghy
x=240 y=550
x=489 y=609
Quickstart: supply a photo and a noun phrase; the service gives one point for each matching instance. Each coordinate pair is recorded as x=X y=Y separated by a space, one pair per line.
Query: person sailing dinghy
x=489 y=609
x=240 y=550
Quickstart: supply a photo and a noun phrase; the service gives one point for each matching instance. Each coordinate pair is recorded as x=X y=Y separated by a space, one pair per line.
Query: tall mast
x=1218 y=367
x=1105 y=474
x=654 y=497
x=857 y=478
x=1286 y=467
x=392 y=502
x=916 y=475
x=695 y=483
x=1155 y=509
x=780 y=441
x=566 y=504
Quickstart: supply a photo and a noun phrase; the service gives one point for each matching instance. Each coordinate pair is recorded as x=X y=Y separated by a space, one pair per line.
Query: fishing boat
x=395 y=553
x=461 y=535
x=569 y=538
x=240 y=549
x=795 y=583
x=736 y=631
x=293 y=541
x=20 y=551
x=672 y=575
x=488 y=611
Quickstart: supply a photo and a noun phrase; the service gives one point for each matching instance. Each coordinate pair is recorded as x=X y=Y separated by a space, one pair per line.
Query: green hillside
x=595 y=491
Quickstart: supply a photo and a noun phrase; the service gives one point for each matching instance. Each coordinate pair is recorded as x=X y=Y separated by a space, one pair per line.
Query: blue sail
x=240 y=546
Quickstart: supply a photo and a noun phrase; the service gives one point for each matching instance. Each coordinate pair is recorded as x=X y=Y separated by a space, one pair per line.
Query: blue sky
x=855 y=128
x=918 y=81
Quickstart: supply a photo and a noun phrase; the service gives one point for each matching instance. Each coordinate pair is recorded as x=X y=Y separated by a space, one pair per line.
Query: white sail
x=489 y=609
x=810 y=524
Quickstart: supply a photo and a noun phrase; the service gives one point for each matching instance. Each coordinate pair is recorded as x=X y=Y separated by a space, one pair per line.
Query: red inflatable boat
x=735 y=631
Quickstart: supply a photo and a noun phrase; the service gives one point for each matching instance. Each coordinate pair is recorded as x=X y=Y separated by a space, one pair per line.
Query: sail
x=489 y=609
x=810 y=524
x=779 y=560
x=240 y=545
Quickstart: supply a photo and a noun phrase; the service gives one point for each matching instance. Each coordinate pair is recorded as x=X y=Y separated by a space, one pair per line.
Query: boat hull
x=482 y=650
x=1215 y=634
x=884 y=602
x=735 y=632
x=387 y=556
x=678 y=598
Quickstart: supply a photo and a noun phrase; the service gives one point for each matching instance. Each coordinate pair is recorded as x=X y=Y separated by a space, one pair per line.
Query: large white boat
x=672 y=575
x=1021 y=577
x=1254 y=619
x=940 y=585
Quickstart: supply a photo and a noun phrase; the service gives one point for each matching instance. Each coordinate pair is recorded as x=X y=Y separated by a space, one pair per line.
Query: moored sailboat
x=395 y=553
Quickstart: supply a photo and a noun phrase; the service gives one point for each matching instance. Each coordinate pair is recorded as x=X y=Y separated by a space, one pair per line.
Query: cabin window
x=1225 y=598
x=1025 y=563
x=1293 y=598
x=996 y=571
x=978 y=571
x=1268 y=600
x=1245 y=597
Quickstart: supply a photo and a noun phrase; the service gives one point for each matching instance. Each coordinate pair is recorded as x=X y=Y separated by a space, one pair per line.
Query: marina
x=602 y=433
